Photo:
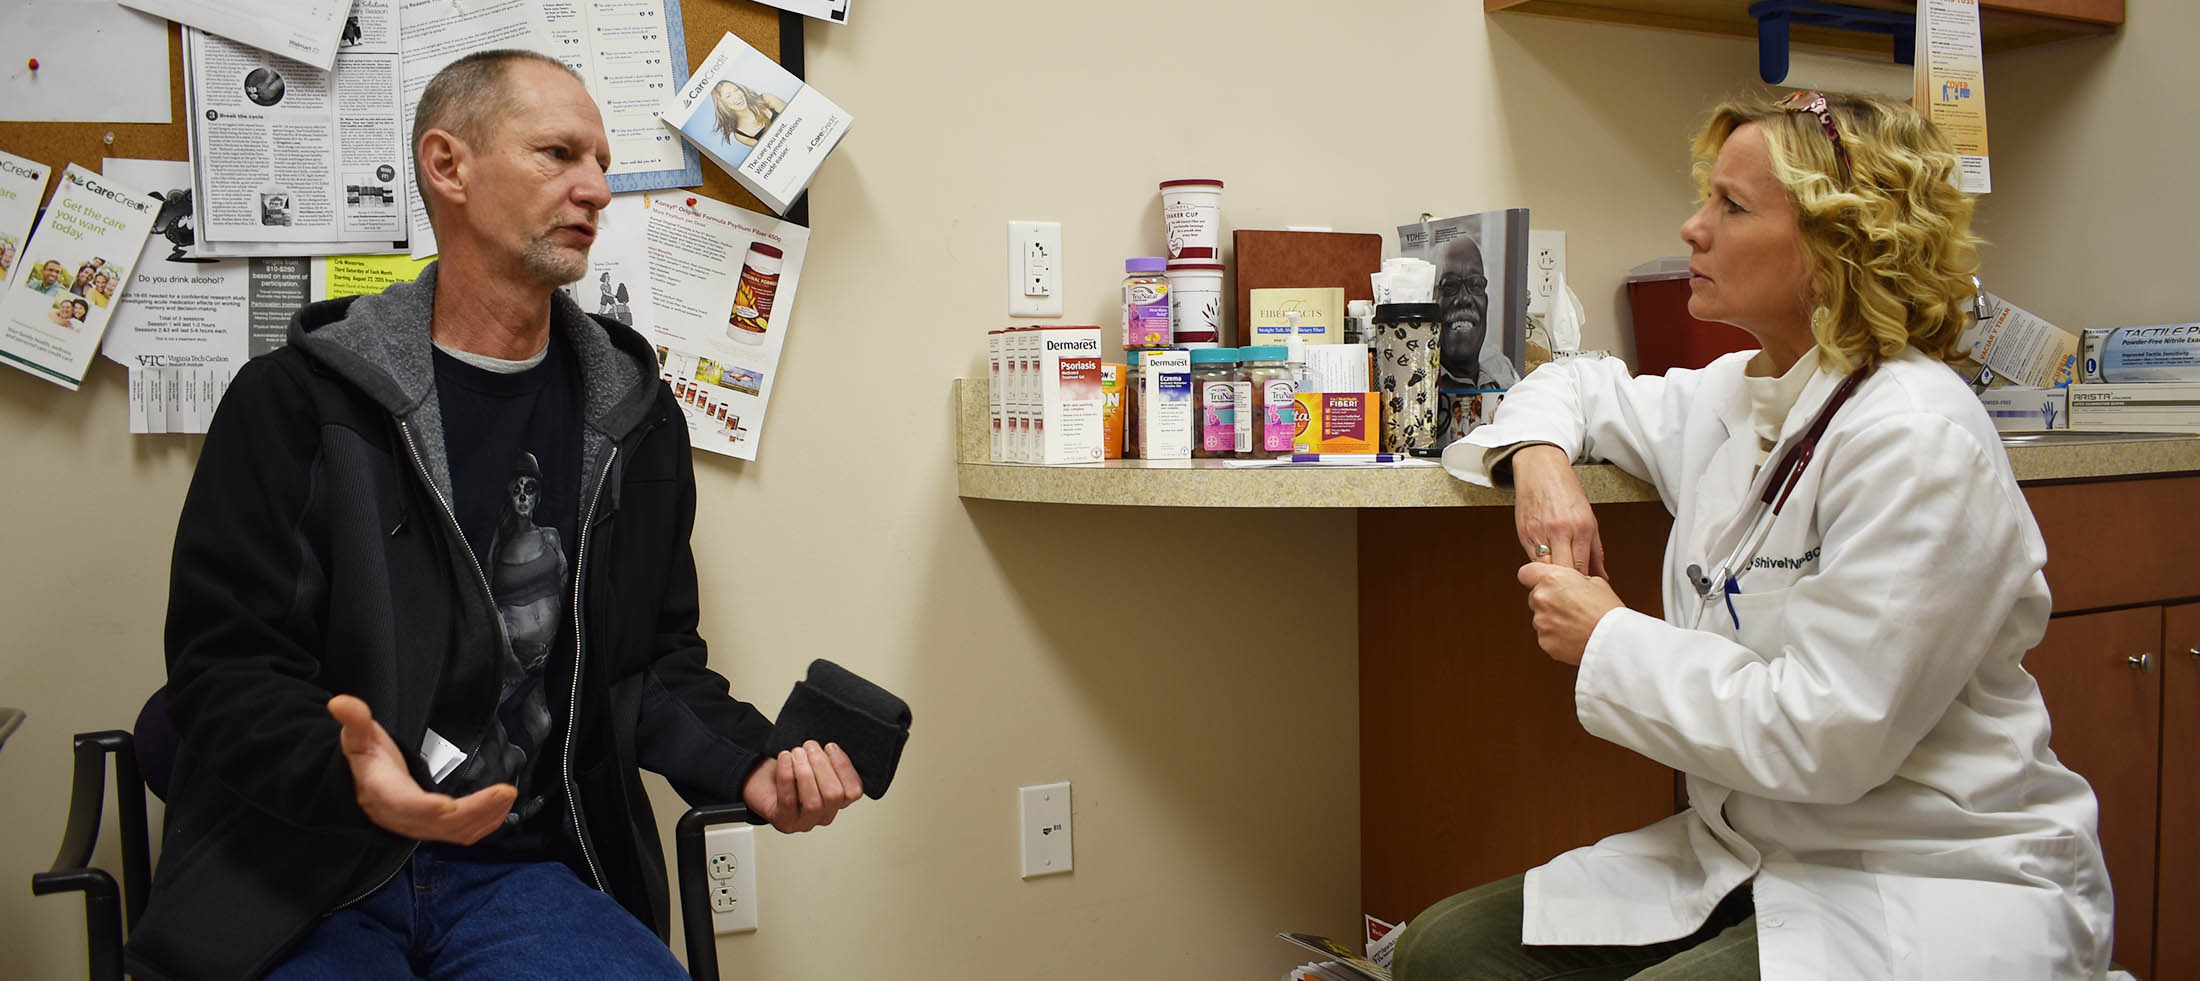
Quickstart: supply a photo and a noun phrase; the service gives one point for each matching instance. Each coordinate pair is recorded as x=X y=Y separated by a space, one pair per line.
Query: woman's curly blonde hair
x=1889 y=247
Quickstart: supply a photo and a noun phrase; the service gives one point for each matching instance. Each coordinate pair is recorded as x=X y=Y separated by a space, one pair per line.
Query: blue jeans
x=448 y=915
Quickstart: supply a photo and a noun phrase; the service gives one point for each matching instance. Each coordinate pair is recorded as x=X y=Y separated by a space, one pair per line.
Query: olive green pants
x=1476 y=935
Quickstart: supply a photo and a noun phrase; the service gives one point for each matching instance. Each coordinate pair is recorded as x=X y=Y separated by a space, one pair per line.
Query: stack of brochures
x=1323 y=971
x=1343 y=964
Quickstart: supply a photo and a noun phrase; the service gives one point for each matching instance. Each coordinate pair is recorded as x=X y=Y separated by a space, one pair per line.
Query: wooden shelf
x=2004 y=24
x=2053 y=458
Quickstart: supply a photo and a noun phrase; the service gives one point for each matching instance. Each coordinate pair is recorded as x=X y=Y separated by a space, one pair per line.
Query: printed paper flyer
x=760 y=123
x=359 y=275
x=722 y=280
x=626 y=51
x=22 y=186
x=831 y=10
x=617 y=282
x=190 y=322
x=1952 y=73
x=61 y=292
x=291 y=160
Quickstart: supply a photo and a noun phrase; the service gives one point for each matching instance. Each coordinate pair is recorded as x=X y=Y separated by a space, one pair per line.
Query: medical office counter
x=1473 y=767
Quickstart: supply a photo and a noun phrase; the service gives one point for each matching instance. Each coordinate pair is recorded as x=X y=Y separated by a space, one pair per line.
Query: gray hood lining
x=382 y=344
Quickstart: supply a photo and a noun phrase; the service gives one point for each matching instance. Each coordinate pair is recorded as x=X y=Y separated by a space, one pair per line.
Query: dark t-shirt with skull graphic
x=513 y=441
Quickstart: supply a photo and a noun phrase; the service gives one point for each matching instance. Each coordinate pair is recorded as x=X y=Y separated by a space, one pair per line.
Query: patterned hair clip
x=1814 y=102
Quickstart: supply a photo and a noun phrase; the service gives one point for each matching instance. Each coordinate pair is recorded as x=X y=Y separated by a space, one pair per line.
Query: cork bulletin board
x=57 y=144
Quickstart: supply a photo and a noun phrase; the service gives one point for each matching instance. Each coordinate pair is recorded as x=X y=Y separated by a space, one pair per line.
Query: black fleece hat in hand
x=833 y=705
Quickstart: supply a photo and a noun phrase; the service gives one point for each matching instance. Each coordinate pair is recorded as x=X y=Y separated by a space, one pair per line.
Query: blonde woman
x=743 y=113
x=1852 y=580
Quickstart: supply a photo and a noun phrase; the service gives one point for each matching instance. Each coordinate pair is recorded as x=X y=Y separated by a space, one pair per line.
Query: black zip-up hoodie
x=317 y=554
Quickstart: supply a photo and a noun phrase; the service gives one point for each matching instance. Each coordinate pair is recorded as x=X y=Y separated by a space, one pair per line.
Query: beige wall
x=1208 y=722
x=2095 y=210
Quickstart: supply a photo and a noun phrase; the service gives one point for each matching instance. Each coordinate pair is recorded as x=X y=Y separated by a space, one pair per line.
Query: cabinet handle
x=2194 y=651
x=2141 y=663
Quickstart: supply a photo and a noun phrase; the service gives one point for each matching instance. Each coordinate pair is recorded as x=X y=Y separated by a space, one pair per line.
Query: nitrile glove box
x=2024 y=409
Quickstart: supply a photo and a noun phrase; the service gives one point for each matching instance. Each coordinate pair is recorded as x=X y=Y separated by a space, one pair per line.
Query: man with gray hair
x=433 y=605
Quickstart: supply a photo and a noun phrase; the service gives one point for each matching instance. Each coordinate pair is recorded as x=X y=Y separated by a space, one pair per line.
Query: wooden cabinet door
x=2107 y=718
x=2177 y=947
x=1473 y=766
x=2119 y=542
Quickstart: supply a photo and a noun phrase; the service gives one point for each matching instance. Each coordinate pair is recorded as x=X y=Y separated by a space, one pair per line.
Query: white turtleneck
x=1772 y=398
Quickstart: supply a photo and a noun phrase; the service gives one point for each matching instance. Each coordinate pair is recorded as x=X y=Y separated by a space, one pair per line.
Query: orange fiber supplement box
x=1111 y=407
x=1336 y=422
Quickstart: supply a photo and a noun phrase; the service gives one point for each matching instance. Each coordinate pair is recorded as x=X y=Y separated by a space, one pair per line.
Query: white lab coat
x=1865 y=748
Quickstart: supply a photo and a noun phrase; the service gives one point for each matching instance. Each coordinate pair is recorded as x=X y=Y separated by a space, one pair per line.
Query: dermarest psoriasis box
x=1071 y=423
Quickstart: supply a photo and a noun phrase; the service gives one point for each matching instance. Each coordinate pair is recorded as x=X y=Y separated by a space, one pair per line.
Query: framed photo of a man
x=1481 y=292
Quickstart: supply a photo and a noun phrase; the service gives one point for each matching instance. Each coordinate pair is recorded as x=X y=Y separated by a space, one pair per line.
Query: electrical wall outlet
x=1034 y=269
x=1038 y=269
x=1045 y=821
x=1546 y=269
x=729 y=855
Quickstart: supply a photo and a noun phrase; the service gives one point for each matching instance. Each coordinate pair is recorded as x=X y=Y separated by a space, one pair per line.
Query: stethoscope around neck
x=1784 y=478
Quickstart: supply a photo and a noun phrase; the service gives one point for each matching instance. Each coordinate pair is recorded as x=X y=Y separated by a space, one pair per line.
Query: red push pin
x=34 y=64
x=691 y=202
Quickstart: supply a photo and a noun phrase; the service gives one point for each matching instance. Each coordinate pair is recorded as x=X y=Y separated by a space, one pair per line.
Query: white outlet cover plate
x=1021 y=236
x=738 y=841
x=1546 y=268
x=1045 y=824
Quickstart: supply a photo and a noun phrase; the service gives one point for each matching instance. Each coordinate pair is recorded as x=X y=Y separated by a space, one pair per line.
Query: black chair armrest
x=695 y=922
x=72 y=867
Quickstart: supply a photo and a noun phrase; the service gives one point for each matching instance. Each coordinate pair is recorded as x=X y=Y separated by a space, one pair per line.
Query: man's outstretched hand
x=395 y=802
x=803 y=788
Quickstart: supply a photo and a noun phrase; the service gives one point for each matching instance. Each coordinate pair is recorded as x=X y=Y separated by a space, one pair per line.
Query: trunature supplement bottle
x=1272 y=400
x=752 y=300
x=1146 y=303
x=1217 y=393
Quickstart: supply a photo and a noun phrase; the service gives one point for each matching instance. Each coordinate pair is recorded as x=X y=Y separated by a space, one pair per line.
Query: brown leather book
x=1272 y=259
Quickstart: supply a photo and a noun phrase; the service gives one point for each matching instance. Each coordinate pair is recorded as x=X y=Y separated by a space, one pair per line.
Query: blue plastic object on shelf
x=1774 y=17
